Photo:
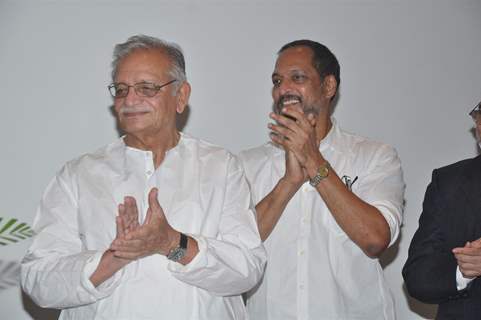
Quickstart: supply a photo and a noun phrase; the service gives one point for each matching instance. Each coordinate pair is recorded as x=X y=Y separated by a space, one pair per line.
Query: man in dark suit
x=444 y=260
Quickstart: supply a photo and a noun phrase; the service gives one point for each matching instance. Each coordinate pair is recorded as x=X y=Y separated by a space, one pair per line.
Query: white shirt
x=314 y=270
x=203 y=192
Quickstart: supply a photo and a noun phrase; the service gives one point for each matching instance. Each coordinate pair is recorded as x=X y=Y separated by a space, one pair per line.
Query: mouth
x=287 y=100
x=134 y=114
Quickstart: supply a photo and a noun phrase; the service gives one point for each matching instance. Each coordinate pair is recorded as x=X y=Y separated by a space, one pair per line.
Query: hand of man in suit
x=469 y=258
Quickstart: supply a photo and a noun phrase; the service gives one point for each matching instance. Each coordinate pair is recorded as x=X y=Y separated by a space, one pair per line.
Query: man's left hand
x=155 y=235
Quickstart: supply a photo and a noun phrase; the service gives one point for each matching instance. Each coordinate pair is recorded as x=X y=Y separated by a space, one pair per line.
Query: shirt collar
x=135 y=151
x=330 y=137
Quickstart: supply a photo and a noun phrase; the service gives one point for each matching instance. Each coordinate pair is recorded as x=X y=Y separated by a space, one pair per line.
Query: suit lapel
x=472 y=190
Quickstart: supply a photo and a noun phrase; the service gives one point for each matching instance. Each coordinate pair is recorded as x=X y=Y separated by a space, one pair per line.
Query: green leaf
x=12 y=231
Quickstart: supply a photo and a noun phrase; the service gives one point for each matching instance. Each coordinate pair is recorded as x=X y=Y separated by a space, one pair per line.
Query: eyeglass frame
x=157 y=87
x=476 y=112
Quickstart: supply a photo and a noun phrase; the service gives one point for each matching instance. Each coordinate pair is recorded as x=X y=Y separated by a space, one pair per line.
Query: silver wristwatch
x=178 y=252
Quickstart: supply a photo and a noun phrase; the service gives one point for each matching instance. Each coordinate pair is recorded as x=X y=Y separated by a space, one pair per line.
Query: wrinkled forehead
x=149 y=62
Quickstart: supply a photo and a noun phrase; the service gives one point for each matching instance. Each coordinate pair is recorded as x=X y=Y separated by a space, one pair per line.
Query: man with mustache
x=328 y=202
x=444 y=262
x=156 y=225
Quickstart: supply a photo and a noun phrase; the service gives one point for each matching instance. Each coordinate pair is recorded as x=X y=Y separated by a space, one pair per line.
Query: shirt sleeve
x=461 y=281
x=55 y=271
x=382 y=186
x=233 y=262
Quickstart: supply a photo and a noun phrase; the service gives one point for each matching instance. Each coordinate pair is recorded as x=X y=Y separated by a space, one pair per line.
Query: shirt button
x=149 y=173
x=301 y=287
x=301 y=253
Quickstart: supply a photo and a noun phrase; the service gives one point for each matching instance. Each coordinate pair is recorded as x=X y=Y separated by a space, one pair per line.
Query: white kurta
x=203 y=192
x=314 y=270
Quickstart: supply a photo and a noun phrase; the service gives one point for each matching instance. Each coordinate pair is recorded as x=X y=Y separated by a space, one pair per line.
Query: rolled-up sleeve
x=55 y=271
x=233 y=262
x=383 y=187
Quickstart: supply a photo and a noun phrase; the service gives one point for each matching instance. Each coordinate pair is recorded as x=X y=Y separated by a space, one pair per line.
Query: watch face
x=324 y=172
x=176 y=254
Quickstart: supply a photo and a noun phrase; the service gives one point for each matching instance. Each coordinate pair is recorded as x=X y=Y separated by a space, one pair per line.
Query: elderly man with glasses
x=444 y=260
x=156 y=225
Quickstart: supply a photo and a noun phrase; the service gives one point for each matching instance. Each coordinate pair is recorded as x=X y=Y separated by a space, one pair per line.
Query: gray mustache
x=128 y=109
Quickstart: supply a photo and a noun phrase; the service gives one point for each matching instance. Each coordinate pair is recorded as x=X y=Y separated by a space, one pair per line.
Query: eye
x=299 y=78
x=120 y=90
x=276 y=82
x=147 y=89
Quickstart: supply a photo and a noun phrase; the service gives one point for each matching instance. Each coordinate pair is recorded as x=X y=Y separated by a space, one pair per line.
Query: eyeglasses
x=142 y=89
x=476 y=112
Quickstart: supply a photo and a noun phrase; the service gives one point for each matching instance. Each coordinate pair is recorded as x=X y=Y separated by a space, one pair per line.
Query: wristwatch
x=322 y=173
x=178 y=252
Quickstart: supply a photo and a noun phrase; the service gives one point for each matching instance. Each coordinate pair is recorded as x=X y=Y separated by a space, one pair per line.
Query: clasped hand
x=295 y=132
x=134 y=240
x=469 y=258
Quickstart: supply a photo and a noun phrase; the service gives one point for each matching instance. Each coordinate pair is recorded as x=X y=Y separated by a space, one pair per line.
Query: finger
x=133 y=214
x=297 y=113
x=469 y=273
x=476 y=243
x=285 y=121
x=469 y=268
x=282 y=131
x=280 y=140
x=119 y=222
x=311 y=119
x=154 y=205
x=128 y=255
x=462 y=259
x=467 y=251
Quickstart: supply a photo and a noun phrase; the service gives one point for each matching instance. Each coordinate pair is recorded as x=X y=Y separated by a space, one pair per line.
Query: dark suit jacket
x=451 y=216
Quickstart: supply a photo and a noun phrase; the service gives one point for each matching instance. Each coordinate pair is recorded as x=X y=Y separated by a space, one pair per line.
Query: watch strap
x=178 y=252
x=322 y=173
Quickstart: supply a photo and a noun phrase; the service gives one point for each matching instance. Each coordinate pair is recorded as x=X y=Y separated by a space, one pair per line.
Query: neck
x=323 y=125
x=159 y=144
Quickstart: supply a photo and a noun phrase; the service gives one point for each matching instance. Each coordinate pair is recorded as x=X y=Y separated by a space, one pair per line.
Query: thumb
x=312 y=119
x=476 y=243
x=154 y=205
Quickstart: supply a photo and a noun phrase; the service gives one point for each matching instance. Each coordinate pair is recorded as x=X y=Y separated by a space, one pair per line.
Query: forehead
x=143 y=64
x=294 y=59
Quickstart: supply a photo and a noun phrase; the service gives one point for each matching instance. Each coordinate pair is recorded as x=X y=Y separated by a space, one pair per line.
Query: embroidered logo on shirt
x=348 y=181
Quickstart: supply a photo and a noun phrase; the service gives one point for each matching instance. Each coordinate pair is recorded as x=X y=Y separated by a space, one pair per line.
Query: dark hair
x=323 y=60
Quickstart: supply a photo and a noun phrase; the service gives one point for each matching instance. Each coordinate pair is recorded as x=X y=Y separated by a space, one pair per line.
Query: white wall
x=410 y=72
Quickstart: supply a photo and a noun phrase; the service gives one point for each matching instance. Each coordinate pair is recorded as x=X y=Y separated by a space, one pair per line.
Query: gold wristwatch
x=322 y=173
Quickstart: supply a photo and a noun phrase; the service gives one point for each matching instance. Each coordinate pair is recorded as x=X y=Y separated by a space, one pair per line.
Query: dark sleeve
x=430 y=270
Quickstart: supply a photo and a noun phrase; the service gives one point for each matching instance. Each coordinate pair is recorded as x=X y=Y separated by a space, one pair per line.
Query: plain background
x=410 y=72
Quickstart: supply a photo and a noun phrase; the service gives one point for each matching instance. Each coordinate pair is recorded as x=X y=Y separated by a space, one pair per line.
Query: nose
x=132 y=97
x=283 y=88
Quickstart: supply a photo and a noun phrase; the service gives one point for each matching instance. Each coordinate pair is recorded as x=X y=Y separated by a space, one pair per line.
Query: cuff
x=199 y=261
x=392 y=219
x=105 y=288
x=461 y=281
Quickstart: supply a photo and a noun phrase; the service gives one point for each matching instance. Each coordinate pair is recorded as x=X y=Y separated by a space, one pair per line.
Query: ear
x=329 y=86
x=183 y=96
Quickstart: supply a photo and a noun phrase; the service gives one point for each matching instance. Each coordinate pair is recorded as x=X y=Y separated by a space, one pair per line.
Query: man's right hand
x=469 y=259
x=126 y=221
